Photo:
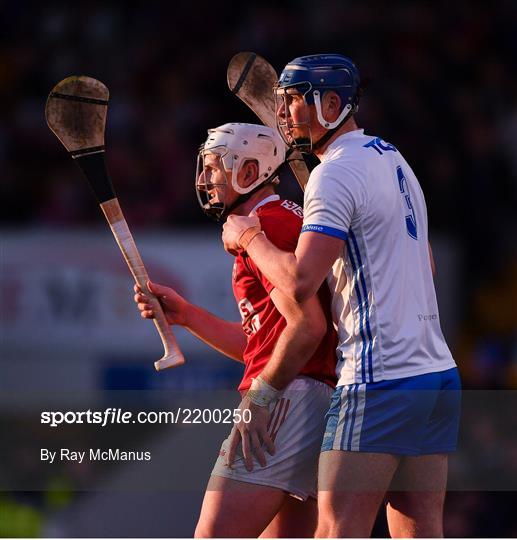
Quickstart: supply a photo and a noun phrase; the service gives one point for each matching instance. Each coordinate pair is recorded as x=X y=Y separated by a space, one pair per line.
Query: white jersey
x=384 y=302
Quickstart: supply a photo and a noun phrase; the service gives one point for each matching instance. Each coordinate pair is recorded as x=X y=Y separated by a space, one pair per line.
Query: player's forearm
x=224 y=336
x=295 y=346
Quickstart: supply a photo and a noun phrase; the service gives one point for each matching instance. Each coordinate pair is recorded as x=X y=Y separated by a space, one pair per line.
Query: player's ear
x=251 y=171
x=331 y=105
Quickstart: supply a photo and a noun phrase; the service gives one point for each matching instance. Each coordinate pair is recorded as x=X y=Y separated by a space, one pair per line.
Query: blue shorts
x=412 y=416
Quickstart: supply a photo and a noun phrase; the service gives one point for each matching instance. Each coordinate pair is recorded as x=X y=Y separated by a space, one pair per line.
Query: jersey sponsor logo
x=330 y=231
x=430 y=317
x=250 y=318
x=293 y=207
x=380 y=146
x=316 y=228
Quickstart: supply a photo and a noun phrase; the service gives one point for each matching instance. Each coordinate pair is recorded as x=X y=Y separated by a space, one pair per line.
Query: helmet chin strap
x=332 y=127
x=325 y=123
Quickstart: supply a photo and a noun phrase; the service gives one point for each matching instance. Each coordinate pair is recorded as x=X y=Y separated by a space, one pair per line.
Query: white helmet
x=236 y=143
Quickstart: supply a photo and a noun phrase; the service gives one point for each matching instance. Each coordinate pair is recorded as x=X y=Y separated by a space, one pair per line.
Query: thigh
x=416 y=497
x=296 y=425
x=421 y=474
x=295 y=519
x=351 y=487
x=237 y=509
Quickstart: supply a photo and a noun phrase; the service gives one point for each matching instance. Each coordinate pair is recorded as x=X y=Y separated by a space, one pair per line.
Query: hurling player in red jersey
x=288 y=351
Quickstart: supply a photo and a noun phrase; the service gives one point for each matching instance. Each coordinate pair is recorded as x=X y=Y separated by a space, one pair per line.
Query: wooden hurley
x=76 y=113
x=252 y=79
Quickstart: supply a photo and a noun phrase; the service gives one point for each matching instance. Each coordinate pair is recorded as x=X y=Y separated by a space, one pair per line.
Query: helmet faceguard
x=296 y=133
x=311 y=76
x=227 y=149
x=211 y=183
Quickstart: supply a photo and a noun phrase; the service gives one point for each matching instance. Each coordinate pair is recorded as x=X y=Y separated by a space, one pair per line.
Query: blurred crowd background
x=443 y=90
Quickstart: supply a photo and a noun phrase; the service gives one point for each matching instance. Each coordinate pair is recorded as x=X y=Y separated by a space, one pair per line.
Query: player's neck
x=349 y=125
x=245 y=208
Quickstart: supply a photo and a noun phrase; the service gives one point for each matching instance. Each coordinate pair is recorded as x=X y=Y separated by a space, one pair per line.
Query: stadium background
x=443 y=90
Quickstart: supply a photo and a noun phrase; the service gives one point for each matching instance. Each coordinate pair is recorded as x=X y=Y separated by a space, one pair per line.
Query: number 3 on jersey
x=404 y=190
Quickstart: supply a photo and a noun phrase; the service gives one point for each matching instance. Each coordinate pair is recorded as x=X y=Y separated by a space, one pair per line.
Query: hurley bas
x=94 y=454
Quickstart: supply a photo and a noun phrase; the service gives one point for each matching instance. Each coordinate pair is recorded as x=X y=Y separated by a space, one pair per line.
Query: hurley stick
x=252 y=79
x=76 y=113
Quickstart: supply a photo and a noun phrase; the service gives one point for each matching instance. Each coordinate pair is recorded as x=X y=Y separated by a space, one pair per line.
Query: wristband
x=247 y=236
x=261 y=393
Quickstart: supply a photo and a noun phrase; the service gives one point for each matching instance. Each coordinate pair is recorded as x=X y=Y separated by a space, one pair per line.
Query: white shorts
x=296 y=425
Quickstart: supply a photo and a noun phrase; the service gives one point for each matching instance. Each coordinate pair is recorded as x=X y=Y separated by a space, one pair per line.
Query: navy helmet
x=323 y=72
x=313 y=75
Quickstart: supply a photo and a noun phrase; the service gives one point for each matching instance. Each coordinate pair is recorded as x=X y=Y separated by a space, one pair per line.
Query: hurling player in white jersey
x=395 y=413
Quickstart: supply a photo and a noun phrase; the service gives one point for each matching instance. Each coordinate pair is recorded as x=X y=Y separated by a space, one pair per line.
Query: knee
x=415 y=515
x=346 y=518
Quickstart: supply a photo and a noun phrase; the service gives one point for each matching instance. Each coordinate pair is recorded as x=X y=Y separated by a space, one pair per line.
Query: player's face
x=214 y=186
x=293 y=114
x=215 y=181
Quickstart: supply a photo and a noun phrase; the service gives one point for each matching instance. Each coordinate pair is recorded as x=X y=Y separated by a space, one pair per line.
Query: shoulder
x=281 y=222
x=350 y=159
x=280 y=211
x=331 y=177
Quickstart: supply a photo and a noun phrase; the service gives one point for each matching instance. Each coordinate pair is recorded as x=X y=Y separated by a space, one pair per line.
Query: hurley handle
x=172 y=357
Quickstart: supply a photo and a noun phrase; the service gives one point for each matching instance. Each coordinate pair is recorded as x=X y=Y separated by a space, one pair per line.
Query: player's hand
x=253 y=435
x=174 y=306
x=234 y=228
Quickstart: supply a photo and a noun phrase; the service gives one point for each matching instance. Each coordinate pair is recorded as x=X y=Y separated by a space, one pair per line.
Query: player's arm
x=330 y=204
x=298 y=275
x=224 y=336
x=305 y=328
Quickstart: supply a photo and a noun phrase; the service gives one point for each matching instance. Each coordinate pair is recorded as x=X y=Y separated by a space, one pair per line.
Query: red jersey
x=281 y=221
